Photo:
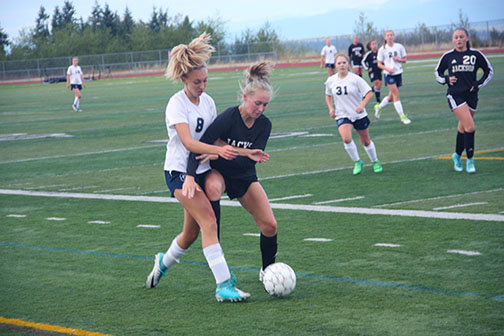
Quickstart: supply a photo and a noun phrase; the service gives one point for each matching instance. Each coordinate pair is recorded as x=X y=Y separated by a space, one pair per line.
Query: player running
x=462 y=64
x=75 y=81
x=355 y=52
x=327 y=57
x=370 y=64
x=188 y=114
x=346 y=90
x=245 y=127
x=390 y=58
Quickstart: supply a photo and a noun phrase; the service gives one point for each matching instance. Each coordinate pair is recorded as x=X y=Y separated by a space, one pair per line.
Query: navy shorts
x=357 y=63
x=375 y=75
x=75 y=86
x=236 y=188
x=469 y=98
x=359 y=124
x=393 y=79
x=175 y=180
x=329 y=65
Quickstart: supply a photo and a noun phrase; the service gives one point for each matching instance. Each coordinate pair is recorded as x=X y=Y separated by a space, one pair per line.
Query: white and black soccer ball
x=279 y=279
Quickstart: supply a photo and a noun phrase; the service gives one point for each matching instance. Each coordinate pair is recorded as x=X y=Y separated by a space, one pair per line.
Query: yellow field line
x=49 y=327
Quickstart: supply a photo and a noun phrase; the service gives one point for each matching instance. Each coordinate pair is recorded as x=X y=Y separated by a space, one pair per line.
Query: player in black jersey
x=246 y=128
x=355 y=52
x=462 y=64
x=370 y=64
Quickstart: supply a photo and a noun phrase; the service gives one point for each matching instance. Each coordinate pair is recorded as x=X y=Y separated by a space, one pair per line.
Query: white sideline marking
x=46 y=186
x=437 y=197
x=290 y=197
x=318 y=239
x=77 y=188
x=26 y=136
x=98 y=222
x=56 y=218
x=115 y=189
x=252 y=234
x=284 y=206
x=16 y=216
x=469 y=253
x=460 y=205
x=148 y=226
x=316 y=135
x=387 y=245
x=287 y=135
x=340 y=200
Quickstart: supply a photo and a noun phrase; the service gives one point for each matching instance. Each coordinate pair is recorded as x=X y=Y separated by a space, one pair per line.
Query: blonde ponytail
x=257 y=77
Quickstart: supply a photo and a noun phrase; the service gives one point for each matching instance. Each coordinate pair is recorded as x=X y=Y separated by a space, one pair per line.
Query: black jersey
x=230 y=128
x=369 y=60
x=353 y=52
x=464 y=66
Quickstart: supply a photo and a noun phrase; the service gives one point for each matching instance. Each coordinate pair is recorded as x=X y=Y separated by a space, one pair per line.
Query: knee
x=366 y=142
x=469 y=128
x=213 y=190
x=269 y=228
x=347 y=140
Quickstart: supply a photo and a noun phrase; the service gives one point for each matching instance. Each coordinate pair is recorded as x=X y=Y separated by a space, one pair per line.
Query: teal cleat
x=226 y=291
x=470 y=166
x=377 y=167
x=358 y=167
x=457 y=162
x=157 y=272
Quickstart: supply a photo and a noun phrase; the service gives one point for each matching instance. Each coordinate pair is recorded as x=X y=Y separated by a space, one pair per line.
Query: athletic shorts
x=329 y=65
x=393 y=79
x=469 y=98
x=375 y=75
x=359 y=124
x=75 y=86
x=175 y=180
x=357 y=63
x=236 y=188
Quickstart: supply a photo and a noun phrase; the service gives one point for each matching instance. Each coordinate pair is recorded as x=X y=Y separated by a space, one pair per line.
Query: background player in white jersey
x=188 y=114
x=390 y=58
x=75 y=81
x=463 y=64
x=346 y=90
x=327 y=57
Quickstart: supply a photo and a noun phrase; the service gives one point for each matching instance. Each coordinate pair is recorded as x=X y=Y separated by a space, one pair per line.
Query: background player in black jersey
x=370 y=64
x=247 y=128
x=355 y=52
x=462 y=64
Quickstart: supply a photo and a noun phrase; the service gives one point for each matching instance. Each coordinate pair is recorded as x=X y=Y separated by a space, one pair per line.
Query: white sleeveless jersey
x=386 y=55
x=75 y=73
x=329 y=53
x=180 y=110
x=347 y=93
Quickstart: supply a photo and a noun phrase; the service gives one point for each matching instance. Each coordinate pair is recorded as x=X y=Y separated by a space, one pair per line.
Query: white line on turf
x=469 y=253
x=290 y=197
x=437 y=197
x=284 y=206
x=323 y=240
x=115 y=189
x=340 y=200
x=16 y=216
x=56 y=218
x=460 y=205
x=387 y=245
x=98 y=222
x=46 y=186
x=252 y=234
x=77 y=188
x=148 y=226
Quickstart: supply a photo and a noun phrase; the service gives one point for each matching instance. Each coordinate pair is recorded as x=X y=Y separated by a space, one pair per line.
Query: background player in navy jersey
x=188 y=114
x=370 y=64
x=355 y=52
x=244 y=126
x=327 y=57
x=462 y=64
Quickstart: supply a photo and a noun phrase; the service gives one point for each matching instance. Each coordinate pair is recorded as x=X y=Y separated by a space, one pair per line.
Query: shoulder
x=331 y=80
x=177 y=99
x=229 y=113
x=265 y=122
x=207 y=99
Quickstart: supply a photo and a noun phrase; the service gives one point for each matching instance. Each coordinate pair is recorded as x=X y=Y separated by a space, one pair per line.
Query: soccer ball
x=279 y=279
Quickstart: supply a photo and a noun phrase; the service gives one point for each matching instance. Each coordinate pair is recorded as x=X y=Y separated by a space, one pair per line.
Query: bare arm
x=330 y=106
x=83 y=81
x=253 y=154
x=364 y=102
x=68 y=81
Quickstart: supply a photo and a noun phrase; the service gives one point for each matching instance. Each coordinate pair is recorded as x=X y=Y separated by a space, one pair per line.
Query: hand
x=389 y=70
x=359 y=109
x=370 y=69
x=228 y=152
x=453 y=80
x=84 y=84
x=332 y=114
x=190 y=187
x=206 y=157
x=395 y=58
x=68 y=85
x=257 y=155
x=321 y=65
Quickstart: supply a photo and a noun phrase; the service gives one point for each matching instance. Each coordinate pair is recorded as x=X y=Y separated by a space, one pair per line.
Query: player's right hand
x=228 y=152
x=452 y=79
x=190 y=187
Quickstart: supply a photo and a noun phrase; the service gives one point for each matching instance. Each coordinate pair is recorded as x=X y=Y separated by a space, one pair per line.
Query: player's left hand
x=257 y=155
x=359 y=109
x=206 y=157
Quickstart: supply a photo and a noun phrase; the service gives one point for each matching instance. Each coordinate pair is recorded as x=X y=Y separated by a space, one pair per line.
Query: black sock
x=216 y=210
x=459 y=147
x=269 y=249
x=377 y=94
x=469 y=143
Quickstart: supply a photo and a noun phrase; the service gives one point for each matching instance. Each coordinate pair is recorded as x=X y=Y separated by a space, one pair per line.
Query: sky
x=292 y=19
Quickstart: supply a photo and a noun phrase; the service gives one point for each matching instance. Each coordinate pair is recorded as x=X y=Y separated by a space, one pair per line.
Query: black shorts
x=329 y=65
x=75 y=86
x=357 y=63
x=393 y=79
x=236 y=188
x=175 y=180
x=375 y=75
x=359 y=124
x=469 y=98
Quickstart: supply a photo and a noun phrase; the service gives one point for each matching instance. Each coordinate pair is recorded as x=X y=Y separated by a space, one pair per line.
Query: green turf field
x=61 y=267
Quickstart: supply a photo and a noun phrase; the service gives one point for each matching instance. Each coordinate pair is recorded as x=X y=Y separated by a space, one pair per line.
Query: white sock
x=215 y=258
x=351 y=149
x=173 y=254
x=371 y=152
x=76 y=100
x=384 y=102
x=398 y=108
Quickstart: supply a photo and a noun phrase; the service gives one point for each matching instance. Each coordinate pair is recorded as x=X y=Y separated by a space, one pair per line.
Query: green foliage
x=365 y=29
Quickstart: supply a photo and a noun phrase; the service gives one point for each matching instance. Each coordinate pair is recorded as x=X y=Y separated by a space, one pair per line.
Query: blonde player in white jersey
x=188 y=114
x=327 y=57
x=75 y=82
x=390 y=58
x=350 y=94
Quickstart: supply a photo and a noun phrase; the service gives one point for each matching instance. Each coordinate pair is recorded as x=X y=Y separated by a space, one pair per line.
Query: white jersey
x=329 y=52
x=180 y=110
x=75 y=73
x=347 y=93
x=386 y=55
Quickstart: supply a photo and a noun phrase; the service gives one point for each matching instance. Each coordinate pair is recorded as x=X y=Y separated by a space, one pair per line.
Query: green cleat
x=358 y=167
x=405 y=120
x=377 y=111
x=457 y=162
x=377 y=167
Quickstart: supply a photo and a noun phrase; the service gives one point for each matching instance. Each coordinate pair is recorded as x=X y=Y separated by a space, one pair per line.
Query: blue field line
x=256 y=270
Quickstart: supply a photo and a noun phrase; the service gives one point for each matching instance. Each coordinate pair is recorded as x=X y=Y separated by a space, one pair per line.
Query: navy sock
x=459 y=147
x=269 y=249
x=469 y=144
x=216 y=209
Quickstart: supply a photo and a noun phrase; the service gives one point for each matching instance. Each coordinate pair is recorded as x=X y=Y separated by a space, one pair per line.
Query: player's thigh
x=77 y=92
x=198 y=208
x=255 y=201
x=345 y=131
x=465 y=116
x=214 y=185
x=364 y=136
